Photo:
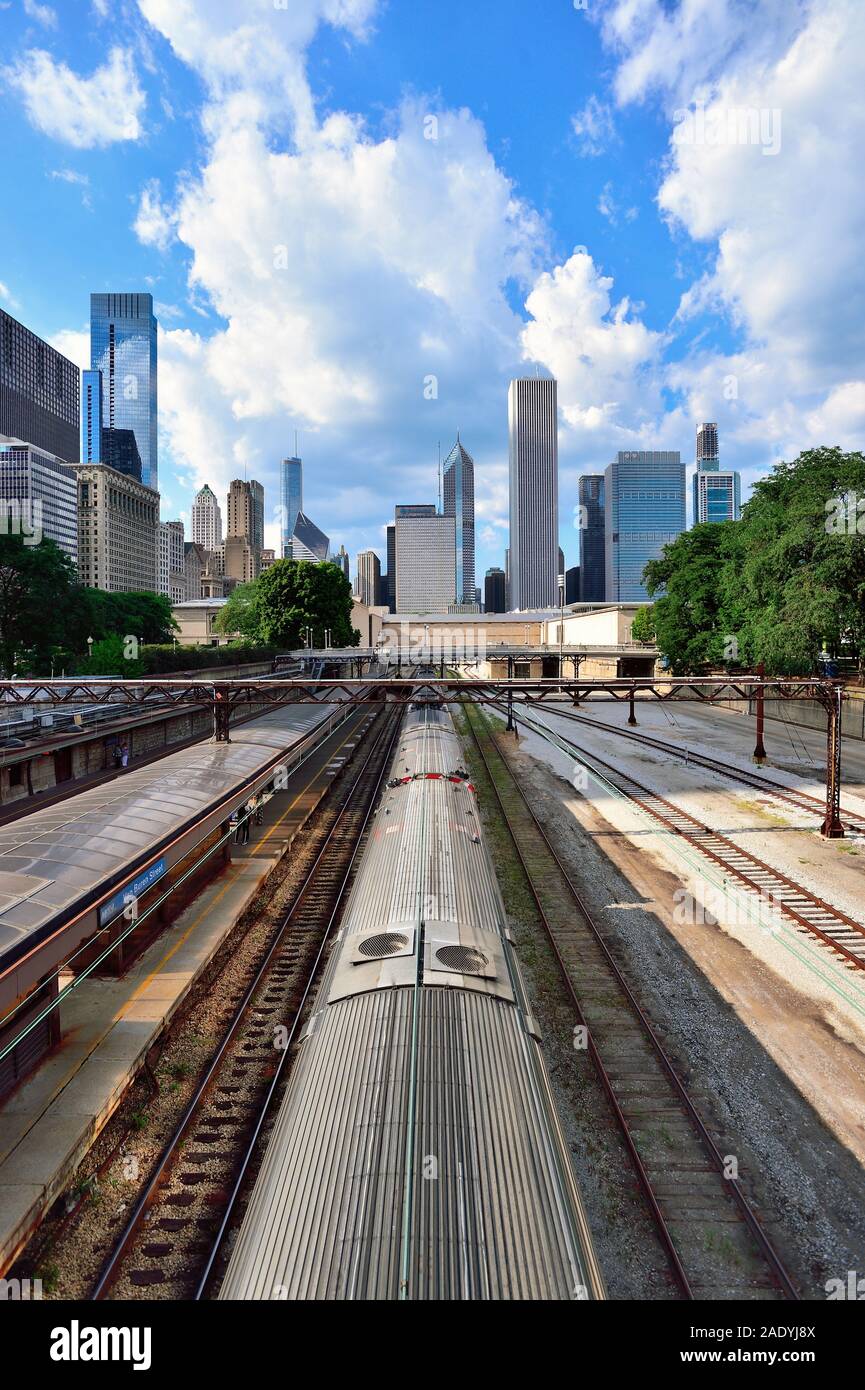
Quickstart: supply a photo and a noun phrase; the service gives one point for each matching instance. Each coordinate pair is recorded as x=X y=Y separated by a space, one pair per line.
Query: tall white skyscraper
x=534 y=492
x=206 y=519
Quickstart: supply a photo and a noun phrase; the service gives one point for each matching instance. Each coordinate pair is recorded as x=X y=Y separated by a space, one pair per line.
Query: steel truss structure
x=225 y=696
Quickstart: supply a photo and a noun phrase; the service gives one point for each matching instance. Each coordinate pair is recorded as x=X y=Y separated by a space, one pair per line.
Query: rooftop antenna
x=295 y=443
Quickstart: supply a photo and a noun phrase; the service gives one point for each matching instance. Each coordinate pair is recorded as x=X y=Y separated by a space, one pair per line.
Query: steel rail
x=110 y=1270
x=802 y=800
x=767 y=1250
x=311 y=981
x=725 y=854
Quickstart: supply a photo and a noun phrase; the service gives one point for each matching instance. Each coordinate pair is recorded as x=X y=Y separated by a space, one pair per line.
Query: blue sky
x=315 y=257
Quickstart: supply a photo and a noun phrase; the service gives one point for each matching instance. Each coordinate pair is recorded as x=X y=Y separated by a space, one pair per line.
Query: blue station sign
x=124 y=896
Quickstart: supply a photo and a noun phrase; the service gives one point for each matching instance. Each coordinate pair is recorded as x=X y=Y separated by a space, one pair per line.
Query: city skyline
x=602 y=245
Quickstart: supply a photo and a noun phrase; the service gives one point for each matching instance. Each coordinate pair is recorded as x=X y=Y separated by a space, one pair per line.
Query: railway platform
x=48 y=1123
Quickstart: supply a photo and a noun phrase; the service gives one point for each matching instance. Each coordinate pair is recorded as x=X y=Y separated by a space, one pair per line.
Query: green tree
x=687 y=613
x=130 y=614
x=643 y=626
x=800 y=579
x=778 y=585
x=240 y=614
x=42 y=606
x=295 y=594
x=110 y=658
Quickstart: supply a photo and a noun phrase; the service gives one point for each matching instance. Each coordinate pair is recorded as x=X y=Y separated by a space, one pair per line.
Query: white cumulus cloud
x=86 y=112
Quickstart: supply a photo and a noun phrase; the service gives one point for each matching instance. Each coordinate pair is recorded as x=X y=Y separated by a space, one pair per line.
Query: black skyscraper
x=494 y=591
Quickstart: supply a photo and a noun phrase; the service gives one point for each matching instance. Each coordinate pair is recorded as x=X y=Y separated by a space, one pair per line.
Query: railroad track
x=714 y=1242
x=803 y=801
x=171 y=1240
x=761 y=885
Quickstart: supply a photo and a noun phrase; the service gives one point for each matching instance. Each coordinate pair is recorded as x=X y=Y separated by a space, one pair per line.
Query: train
x=416 y=1153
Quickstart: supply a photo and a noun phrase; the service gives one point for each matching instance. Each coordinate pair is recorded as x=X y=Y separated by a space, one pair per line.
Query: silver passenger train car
x=417 y=1153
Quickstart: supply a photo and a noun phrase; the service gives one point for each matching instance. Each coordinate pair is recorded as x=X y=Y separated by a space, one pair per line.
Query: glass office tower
x=123 y=349
x=591 y=517
x=644 y=495
x=291 y=499
x=459 y=502
x=716 y=491
x=91 y=417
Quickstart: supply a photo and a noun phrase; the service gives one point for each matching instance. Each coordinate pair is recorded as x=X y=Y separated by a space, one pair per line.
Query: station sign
x=124 y=896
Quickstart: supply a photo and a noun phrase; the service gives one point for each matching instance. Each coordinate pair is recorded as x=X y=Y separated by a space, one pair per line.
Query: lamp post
x=89 y=648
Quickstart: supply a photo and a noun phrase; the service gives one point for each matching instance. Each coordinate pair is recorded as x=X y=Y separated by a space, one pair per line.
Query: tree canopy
x=778 y=585
x=291 y=596
x=297 y=594
x=42 y=606
x=240 y=613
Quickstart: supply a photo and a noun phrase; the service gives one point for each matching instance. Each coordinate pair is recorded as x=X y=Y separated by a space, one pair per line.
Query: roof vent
x=464 y=959
x=388 y=943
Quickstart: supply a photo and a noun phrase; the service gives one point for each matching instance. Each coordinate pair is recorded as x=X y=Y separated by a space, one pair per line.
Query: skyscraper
x=368 y=584
x=291 y=498
x=38 y=496
x=534 y=492
x=246 y=511
x=644 y=493
x=343 y=561
x=591 y=495
x=716 y=491
x=390 y=595
x=206 y=519
x=494 y=590
x=307 y=542
x=39 y=402
x=118 y=525
x=123 y=349
x=707 y=444
x=458 y=481
x=425 y=560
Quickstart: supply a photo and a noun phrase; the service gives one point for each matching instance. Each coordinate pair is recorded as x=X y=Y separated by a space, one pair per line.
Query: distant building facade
x=368 y=584
x=458 y=489
x=118 y=524
x=591 y=516
x=644 y=496
x=290 y=498
x=390 y=592
x=494 y=591
x=534 y=492
x=572 y=584
x=39 y=392
x=38 y=496
x=717 y=494
x=206 y=519
x=342 y=559
x=425 y=562
x=171 y=561
x=308 y=541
